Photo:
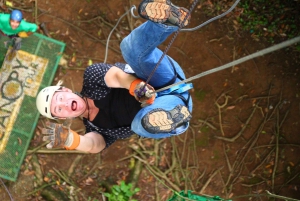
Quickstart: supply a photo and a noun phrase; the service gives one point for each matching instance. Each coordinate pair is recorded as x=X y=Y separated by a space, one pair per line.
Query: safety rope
x=233 y=63
x=214 y=18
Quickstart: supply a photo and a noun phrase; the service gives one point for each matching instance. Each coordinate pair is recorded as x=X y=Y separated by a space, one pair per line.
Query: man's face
x=65 y=104
x=14 y=24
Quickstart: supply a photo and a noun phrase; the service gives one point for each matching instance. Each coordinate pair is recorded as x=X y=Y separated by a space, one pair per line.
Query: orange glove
x=145 y=96
x=59 y=134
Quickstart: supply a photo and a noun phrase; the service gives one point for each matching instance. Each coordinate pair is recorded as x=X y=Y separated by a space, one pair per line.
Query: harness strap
x=177 y=89
x=186 y=101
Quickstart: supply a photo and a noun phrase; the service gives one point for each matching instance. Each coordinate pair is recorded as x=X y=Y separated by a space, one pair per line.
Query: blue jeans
x=139 y=49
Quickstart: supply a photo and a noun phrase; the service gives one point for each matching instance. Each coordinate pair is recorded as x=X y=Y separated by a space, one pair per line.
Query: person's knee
x=123 y=45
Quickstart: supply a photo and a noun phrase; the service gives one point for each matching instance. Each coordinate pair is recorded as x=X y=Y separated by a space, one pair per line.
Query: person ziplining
x=110 y=99
x=15 y=27
x=152 y=78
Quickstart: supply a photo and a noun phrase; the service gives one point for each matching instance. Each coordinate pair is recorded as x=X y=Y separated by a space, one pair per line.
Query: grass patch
x=200 y=95
x=274 y=20
x=203 y=137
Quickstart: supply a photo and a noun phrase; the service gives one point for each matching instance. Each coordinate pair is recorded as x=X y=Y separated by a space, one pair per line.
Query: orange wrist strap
x=76 y=141
x=132 y=86
x=151 y=100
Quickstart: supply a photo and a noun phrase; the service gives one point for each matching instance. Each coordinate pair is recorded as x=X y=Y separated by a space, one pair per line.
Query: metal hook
x=131 y=10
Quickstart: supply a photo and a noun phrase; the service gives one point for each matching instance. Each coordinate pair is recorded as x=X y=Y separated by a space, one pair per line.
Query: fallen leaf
x=230 y=107
x=88 y=181
x=9 y=3
x=20 y=141
x=67 y=32
x=132 y=163
x=73 y=59
x=72 y=39
x=46 y=179
x=27 y=172
x=288 y=169
x=268 y=166
x=235 y=22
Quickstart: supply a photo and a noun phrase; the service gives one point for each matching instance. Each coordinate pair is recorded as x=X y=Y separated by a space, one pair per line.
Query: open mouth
x=74 y=105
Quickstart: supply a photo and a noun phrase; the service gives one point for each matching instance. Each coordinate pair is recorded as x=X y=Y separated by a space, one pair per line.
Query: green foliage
x=121 y=192
x=200 y=95
x=271 y=19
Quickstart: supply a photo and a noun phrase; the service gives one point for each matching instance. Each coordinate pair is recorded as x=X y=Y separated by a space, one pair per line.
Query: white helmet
x=43 y=100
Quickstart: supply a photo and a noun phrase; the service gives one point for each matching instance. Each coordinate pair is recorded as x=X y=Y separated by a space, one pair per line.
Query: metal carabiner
x=131 y=11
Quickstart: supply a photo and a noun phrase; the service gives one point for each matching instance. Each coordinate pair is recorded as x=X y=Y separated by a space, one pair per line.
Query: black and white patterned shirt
x=95 y=88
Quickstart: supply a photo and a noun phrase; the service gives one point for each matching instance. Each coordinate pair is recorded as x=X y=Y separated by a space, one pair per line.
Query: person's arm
x=116 y=78
x=61 y=136
x=28 y=30
x=91 y=142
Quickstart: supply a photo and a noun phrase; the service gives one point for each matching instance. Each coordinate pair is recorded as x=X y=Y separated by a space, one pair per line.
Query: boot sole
x=163 y=121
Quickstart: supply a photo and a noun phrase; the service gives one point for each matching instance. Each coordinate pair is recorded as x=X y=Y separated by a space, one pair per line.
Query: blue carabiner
x=178 y=89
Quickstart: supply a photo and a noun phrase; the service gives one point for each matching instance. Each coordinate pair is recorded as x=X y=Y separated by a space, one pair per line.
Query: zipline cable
x=233 y=63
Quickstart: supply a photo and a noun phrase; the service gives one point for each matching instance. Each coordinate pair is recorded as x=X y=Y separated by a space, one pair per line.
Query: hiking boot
x=164 y=12
x=162 y=121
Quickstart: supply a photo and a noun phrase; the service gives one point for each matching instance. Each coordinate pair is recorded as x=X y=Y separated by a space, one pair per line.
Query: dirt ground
x=244 y=135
